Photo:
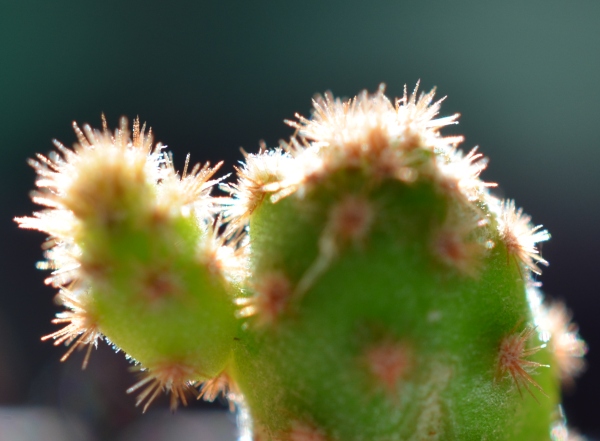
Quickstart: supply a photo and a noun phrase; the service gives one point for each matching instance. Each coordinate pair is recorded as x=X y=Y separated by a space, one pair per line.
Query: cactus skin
x=142 y=256
x=363 y=286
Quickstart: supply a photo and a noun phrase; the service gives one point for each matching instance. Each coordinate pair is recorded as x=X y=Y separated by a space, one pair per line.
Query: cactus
x=358 y=282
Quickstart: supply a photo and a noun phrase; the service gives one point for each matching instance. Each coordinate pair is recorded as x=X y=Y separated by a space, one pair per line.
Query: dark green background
x=211 y=77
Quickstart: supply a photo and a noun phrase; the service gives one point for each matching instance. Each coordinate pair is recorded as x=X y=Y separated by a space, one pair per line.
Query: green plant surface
x=360 y=282
x=318 y=360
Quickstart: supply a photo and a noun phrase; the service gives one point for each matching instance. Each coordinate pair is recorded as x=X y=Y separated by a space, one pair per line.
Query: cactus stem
x=512 y=360
x=362 y=260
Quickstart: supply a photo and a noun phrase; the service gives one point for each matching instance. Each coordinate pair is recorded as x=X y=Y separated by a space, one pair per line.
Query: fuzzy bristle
x=173 y=378
x=272 y=295
x=224 y=251
x=520 y=236
x=221 y=385
x=460 y=174
x=369 y=131
x=190 y=192
x=399 y=141
x=336 y=124
x=81 y=328
x=569 y=348
x=256 y=172
x=512 y=360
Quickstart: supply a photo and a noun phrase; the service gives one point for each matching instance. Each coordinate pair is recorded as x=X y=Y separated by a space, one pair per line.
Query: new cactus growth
x=359 y=282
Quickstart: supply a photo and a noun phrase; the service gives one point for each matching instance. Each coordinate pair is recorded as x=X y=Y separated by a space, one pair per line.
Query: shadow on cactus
x=358 y=282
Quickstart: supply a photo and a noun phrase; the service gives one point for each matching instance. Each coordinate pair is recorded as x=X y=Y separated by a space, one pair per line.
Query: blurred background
x=211 y=77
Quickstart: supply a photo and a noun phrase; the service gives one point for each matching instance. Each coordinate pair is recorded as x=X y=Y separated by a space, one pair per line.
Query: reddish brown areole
x=389 y=362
